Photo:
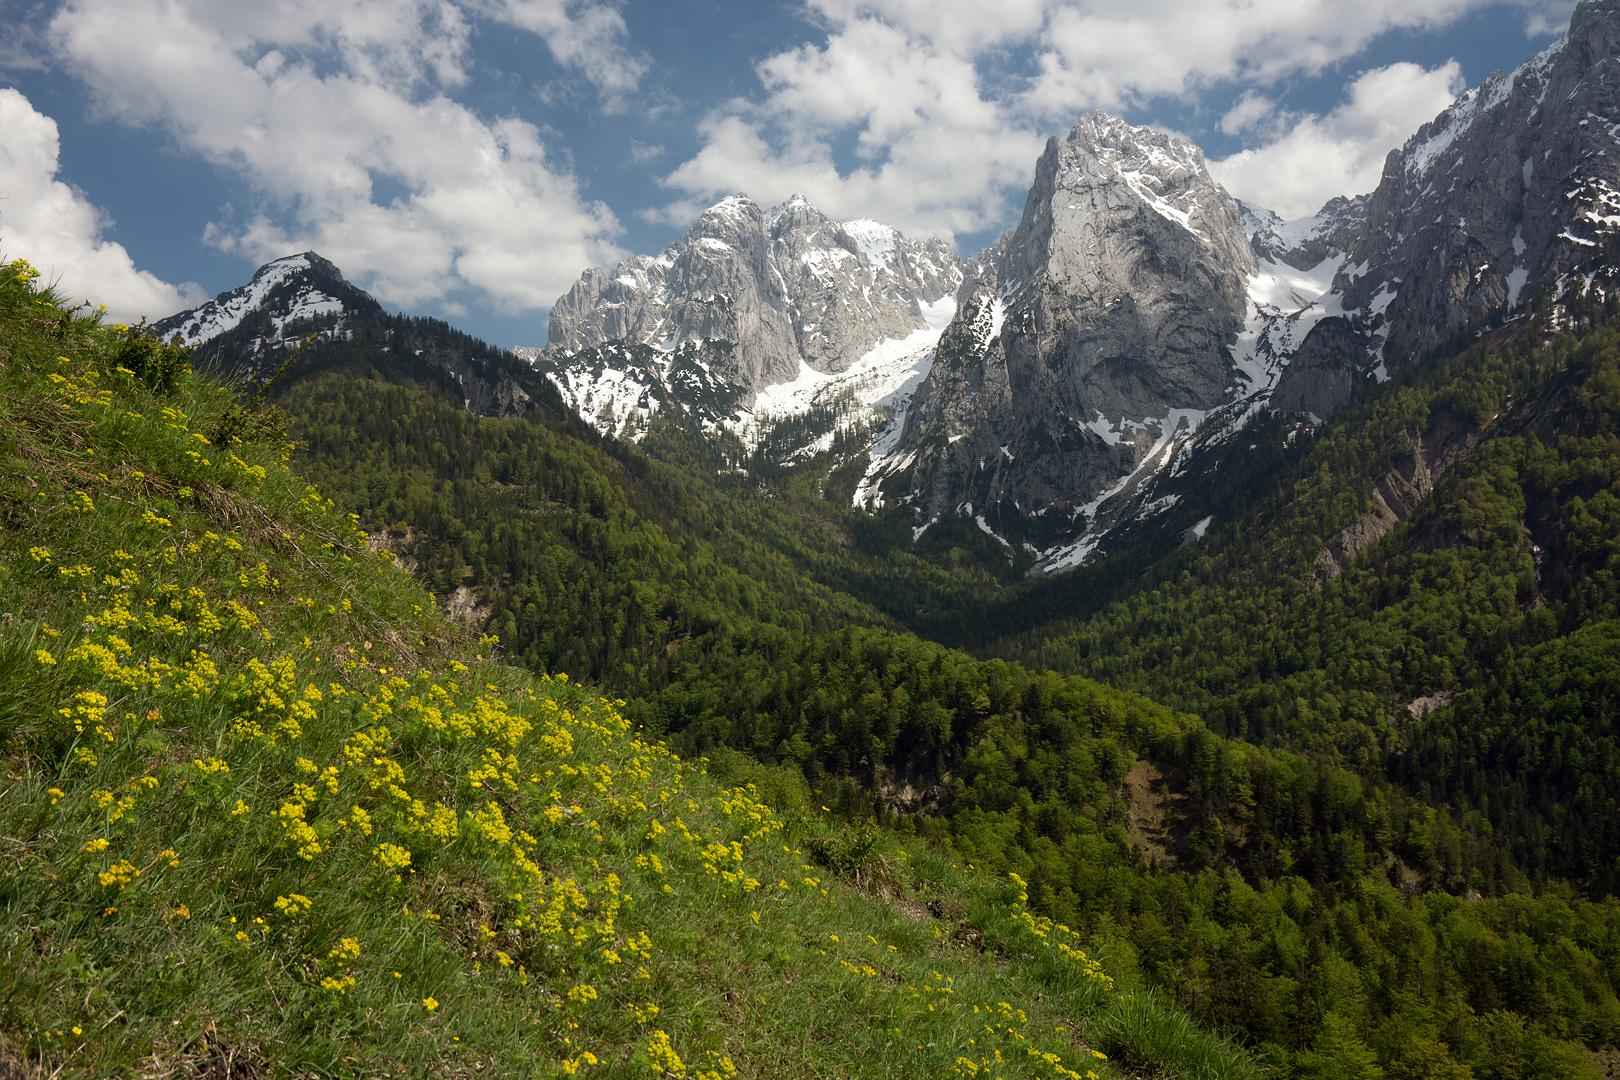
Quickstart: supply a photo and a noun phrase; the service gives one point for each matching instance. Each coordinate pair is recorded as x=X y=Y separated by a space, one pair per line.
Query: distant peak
x=304 y=260
x=1124 y=145
x=287 y=263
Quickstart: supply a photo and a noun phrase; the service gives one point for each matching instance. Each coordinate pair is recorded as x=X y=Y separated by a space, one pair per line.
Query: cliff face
x=1094 y=335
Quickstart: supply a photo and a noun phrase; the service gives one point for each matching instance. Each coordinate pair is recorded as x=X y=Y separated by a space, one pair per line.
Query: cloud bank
x=943 y=101
x=318 y=104
x=59 y=231
x=1313 y=158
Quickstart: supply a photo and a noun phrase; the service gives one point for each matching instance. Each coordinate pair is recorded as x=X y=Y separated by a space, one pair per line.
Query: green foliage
x=1295 y=890
x=1152 y=1037
x=154 y=362
x=1518 y=547
x=1537 y=754
x=264 y=806
x=597 y=559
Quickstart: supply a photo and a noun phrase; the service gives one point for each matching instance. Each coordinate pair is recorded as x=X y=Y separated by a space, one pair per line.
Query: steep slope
x=421 y=862
x=1296 y=262
x=1028 y=772
x=1422 y=587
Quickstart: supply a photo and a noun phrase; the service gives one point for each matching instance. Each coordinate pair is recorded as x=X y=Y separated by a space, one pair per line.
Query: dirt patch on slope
x=1159 y=817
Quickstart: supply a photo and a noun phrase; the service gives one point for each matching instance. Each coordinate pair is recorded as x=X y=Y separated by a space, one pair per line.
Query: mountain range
x=857 y=519
x=1051 y=389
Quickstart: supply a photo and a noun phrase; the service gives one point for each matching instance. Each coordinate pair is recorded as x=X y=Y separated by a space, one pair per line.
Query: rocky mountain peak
x=793 y=215
x=1305 y=242
x=1094 y=337
x=749 y=298
x=786 y=287
x=1510 y=190
x=303 y=302
x=1107 y=171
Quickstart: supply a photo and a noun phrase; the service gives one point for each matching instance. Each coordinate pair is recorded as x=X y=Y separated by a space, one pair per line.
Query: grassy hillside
x=267 y=813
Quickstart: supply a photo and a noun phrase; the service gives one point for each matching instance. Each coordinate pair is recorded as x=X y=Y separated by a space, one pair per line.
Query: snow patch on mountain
x=883 y=380
x=1284 y=304
x=876 y=240
x=615 y=396
x=226 y=311
x=1173 y=432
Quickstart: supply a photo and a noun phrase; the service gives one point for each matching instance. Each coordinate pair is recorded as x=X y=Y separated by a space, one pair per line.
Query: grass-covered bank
x=264 y=812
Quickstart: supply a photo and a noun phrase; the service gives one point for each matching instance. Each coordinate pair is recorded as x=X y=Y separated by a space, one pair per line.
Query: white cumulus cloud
x=942 y=100
x=587 y=36
x=936 y=157
x=59 y=231
x=1315 y=158
x=318 y=103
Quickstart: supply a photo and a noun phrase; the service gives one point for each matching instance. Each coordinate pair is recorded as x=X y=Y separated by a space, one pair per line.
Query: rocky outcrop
x=1097 y=331
x=1397 y=495
x=1321 y=377
x=1305 y=243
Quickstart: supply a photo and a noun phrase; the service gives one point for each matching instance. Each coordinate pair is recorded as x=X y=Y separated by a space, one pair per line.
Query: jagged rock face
x=1322 y=376
x=852 y=284
x=782 y=287
x=1508 y=190
x=1095 y=330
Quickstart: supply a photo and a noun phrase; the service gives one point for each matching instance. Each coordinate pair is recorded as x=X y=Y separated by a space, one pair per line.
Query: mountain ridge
x=1047 y=388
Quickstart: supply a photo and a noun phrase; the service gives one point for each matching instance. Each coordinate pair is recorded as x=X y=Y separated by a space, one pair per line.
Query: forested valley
x=1356 y=808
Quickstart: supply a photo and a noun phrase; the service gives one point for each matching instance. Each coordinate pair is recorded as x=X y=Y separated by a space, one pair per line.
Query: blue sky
x=468 y=158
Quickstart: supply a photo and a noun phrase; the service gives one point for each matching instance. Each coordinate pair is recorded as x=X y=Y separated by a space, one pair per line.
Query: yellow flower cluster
x=538 y=778
x=120 y=873
x=1053 y=935
x=348 y=949
x=391 y=857
x=298 y=831
x=294 y=906
x=660 y=1057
